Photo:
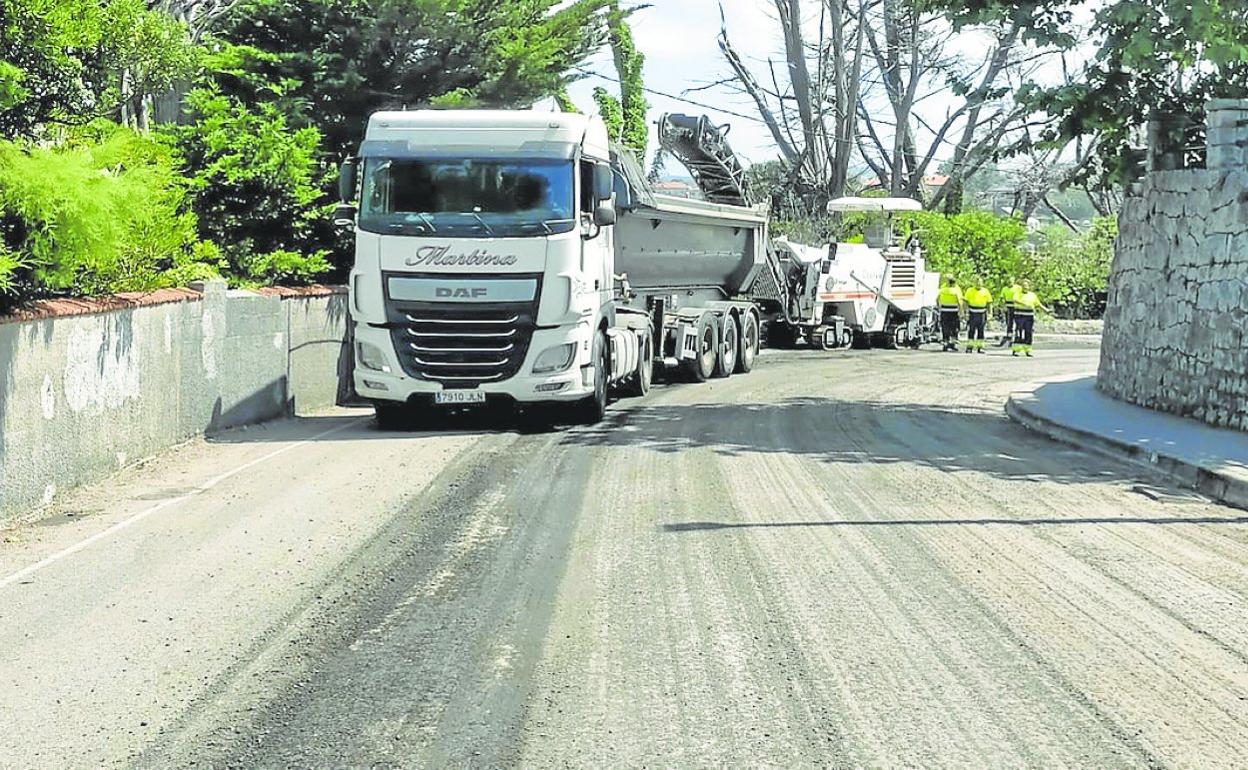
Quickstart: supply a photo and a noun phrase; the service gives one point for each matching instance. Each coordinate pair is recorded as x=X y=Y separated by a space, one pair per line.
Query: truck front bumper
x=573 y=384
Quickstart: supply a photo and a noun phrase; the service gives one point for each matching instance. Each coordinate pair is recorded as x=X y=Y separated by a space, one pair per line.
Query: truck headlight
x=370 y=357
x=555 y=359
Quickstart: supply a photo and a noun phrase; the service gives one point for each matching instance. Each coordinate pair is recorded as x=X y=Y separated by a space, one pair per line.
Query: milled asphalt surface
x=841 y=560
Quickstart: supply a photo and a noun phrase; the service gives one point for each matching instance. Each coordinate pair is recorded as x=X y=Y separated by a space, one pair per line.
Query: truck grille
x=462 y=345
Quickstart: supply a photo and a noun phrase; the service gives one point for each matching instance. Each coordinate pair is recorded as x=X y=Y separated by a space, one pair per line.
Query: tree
x=1152 y=56
x=336 y=61
x=258 y=191
x=105 y=210
x=918 y=54
x=71 y=61
x=611 y=112
x=811 y=111
x=853 y=84
x=632 y=130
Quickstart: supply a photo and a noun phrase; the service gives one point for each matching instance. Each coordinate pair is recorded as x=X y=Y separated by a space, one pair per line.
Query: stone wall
x=1175 y=336
x=84 y=394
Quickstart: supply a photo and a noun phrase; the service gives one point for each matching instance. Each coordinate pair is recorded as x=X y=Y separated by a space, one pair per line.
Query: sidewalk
x=1211 y=460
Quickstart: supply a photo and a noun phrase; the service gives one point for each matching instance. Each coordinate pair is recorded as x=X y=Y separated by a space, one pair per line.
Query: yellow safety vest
x=949 y=298
x=1027 y=303
x=1011 y=294
x=978 y=298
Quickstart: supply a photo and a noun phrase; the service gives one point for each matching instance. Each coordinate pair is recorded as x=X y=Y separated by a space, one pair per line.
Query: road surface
x=840 y=560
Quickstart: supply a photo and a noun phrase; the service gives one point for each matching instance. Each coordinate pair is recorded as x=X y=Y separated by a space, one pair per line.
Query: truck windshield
x=468 y=197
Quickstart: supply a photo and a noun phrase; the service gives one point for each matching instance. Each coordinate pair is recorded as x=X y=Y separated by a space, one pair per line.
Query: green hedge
x=258 y=187
x=236 y=194
x=105 y=211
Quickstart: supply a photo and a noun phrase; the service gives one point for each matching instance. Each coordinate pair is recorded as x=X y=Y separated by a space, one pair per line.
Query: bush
x=257 y=187
x=1071 y=271
x=103 y=212
x=973 y=244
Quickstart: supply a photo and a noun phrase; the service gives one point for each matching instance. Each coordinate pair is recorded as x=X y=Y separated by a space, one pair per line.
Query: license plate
x=451 y=397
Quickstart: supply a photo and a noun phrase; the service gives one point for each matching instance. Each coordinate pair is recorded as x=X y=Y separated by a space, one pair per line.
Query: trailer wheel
x=749 y=343
x=592 y=409
x=847 y=338
x=729 y=350
x=639 y=382
x=702 y=366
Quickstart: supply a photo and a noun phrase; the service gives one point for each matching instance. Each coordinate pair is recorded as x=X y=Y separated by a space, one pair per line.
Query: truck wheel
x=592 y=409
x=702 y=366
x=639 y=383
x=729 y=350
x=749 y=344
x=393 y=415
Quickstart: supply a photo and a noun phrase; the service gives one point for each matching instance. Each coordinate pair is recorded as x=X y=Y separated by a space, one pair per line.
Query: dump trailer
x=875 y=293
x=516 y=257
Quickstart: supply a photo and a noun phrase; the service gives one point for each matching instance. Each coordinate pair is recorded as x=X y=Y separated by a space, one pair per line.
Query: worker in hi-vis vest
x=1025 y=308
x=950 y=302
x=1009 y=297
x=978 y=300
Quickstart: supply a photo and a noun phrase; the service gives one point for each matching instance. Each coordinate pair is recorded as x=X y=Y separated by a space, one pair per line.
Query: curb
x=1209 y=481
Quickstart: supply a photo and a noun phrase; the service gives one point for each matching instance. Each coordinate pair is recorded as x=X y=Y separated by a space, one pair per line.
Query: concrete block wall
x=83 y=395
x=1176 y=328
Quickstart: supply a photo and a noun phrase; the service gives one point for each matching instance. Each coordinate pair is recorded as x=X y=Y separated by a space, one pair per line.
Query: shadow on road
x=857 y=433
x=359 y=425
x=710 y=526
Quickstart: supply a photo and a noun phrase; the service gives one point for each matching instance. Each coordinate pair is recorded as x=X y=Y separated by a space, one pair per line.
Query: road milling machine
x=877 y=293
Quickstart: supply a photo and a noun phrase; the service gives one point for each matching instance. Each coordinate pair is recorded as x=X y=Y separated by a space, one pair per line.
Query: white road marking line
x=141 y=515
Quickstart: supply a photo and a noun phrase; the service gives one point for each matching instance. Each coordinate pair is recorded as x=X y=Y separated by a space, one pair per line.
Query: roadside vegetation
x=1040 y=132
x=147 y=143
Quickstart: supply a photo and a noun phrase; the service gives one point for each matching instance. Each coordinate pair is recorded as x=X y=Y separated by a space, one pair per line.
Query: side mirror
x=604 y=213
x=344 y=215
x=603 y=182
x=346 y=181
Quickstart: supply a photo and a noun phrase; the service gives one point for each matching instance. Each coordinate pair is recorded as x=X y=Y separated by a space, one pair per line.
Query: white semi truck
x=513 y=256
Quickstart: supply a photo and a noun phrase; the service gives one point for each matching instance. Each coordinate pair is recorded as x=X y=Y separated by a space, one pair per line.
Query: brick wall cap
x=317 y=290
x=62 y=307
x=72 y=306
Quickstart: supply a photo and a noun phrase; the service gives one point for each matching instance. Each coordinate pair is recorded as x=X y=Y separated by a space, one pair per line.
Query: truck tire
x=639 y=382
x=729 y=348
x=749 y=343
x=702 y=367
x=592 y=409
x=393 y=415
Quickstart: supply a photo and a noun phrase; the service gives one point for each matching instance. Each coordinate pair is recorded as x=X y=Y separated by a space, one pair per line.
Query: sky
x=679 y=40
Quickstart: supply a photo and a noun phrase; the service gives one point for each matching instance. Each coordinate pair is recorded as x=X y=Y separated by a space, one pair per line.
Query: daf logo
x=448 y=293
